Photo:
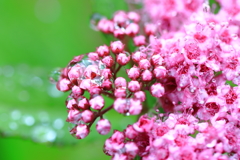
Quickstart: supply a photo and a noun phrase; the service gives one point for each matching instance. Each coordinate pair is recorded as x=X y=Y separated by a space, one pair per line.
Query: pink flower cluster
x=187 y=58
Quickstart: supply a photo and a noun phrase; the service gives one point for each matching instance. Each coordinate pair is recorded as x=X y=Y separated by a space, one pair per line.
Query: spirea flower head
x=181 y=79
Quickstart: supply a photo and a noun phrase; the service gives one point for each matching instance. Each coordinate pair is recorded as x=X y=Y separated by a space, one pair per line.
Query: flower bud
x=133 y=16
x=107 y=84
x=97 y=102
x=140 y=95
x=63 y=85
x=137 y=56
x=120 y=82
x=134 y=86
x=77 y=91
x=103 y=126
x=132 y=29
x=139 y=40
x=87 y=116
x=103 y=51
x=119 y=33
x=150 y=29
x=160 y=72
x=93 y=56
x=120 y=92
x=74 y=116
x=157 y=90
x=123 y=59
x=120 y=105
x=117 y=47
x=105 y=26
x=83 y=103
x=131 y=149
x=133 y=73
x=82 y=131
x=144 y=64
x=135 y=107
x=130 y=132
x=146 y=75
x=106 y=73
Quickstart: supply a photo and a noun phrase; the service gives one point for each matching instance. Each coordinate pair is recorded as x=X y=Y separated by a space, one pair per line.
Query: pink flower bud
x=107 y=84
x=93 y=56
x=157 y=90
x=120 y=82
x=123 y=59
x=135 y=107
x=132 y=29
x=156 y=59
x=144 y=64
x=160 y=72
x=83 y=103
x=131 y=149
x=146 y=75
x=137 y=56
x=63 y=85
x=134 y=86
x=120 y=17
x=74 y=116
x=140 y=95
x=108 y=61
x=77 y=91
x=103 y=126
x=103 y=51
x=120 y=105
x=91 y=71
x=94 y=90
x=82 y=131
x=87 y=116
x=130 y=132
x=120 y=92
x=117 y=47
x=106 y=73
x=139 y=40
x=150 y=29
x=71 y=103
x=144 y=124
x=75 y=60
x=74 y=72
x=85 y=84
x=97 y=102
x=119 y=33
x=133 y=72
x=105 y=26
x=133 y=16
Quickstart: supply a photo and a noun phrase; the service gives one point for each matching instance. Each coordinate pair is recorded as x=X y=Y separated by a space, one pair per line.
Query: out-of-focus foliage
x=36 y=37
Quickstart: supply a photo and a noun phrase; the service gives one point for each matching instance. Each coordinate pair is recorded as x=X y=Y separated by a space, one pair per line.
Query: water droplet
x=94 y=20
x=58 y=123
x=201 y=101
x=55 y=75
x=127 y=114
x=53 y=92
x=23 y=96
x=16 y=115
x=28 y=120
x=8 y=71
x=13 y=125
x=179 y=89
x=214 y=80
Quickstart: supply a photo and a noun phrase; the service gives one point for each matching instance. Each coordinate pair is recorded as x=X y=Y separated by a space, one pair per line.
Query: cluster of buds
x=191 y=66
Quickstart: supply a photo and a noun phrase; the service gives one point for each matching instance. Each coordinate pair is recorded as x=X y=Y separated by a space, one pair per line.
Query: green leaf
x=215 y=6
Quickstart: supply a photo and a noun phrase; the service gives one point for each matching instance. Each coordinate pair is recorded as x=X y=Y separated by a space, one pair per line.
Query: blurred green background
x=37 y=36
